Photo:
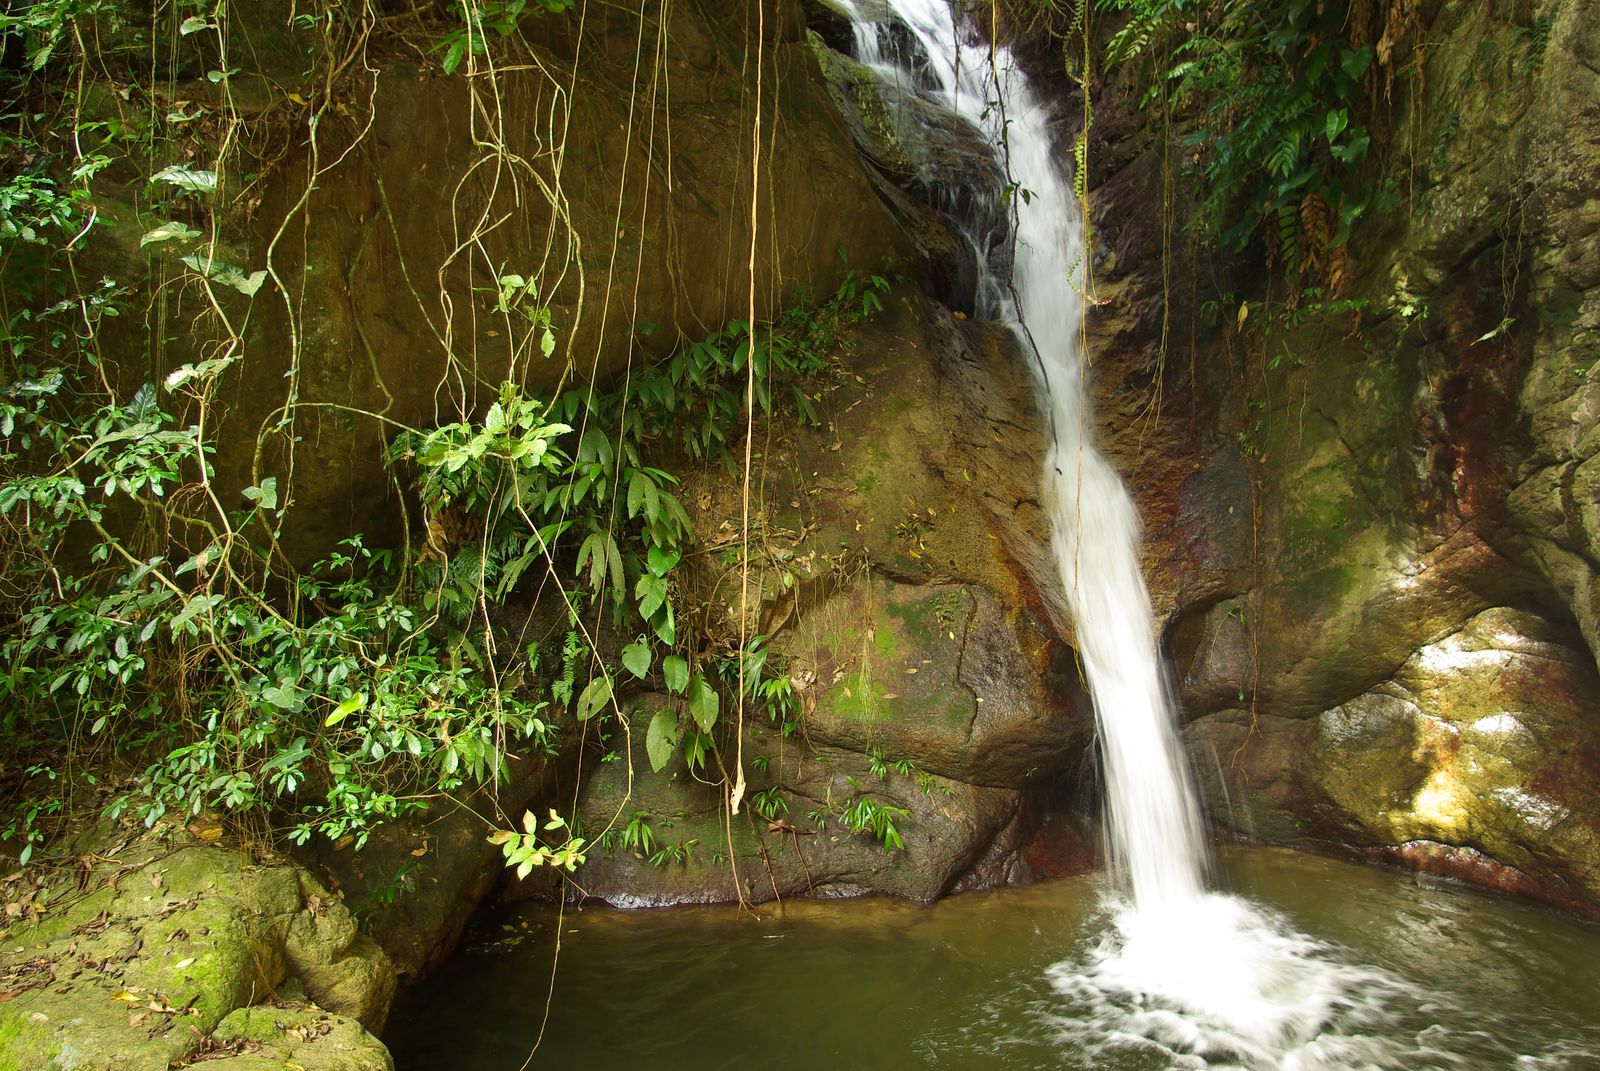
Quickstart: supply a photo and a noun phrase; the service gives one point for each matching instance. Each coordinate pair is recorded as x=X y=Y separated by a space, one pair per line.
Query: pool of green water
x=1419 y=973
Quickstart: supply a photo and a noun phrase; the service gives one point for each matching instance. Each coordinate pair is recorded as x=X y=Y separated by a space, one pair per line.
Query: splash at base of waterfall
x=1220 y=983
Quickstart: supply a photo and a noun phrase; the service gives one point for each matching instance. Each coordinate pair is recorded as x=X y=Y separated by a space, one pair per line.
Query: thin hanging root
x=736 y=793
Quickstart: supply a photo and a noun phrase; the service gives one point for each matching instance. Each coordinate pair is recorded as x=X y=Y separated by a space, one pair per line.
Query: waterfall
x=1187 y=972
x=1152 y=821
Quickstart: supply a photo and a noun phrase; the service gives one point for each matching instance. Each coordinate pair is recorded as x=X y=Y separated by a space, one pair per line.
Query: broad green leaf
x=347 y=708
x=662 y=739
x=1335 y=123
x=703 y=702
x=651 y=591
x=283 y=695
x=676 y=671
x=594 y=698
x=666 y=631
x=189 y=179
x=661 y=561
x=636 y=657
x=194 y=24
x=265 y=496
x=167 y=232
x=220 y=271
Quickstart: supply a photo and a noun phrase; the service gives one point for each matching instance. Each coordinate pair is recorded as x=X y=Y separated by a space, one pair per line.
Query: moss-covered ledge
x=143 y=954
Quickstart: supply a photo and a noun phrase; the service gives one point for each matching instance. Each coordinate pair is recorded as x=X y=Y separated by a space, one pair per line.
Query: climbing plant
x=1276 y=102
x=162 y=624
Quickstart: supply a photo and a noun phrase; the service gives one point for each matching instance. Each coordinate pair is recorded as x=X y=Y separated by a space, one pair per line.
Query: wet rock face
x=1378 y=565
x=386 y=259
x=1478 y=756
x=938 y=673
x=901 y=572
x=811 y=841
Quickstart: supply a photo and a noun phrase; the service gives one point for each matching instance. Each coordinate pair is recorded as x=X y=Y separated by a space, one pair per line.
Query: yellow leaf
x=128 y=996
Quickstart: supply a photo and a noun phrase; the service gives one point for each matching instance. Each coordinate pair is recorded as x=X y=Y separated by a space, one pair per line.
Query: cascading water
x=1206 y=979
x=1154 y=829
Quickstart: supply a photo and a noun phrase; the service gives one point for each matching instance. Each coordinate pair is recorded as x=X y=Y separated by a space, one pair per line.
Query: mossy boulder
x=698 y=852
x=943 y=676
x=272 y=1037
x=1482 y=743
x=162 y=941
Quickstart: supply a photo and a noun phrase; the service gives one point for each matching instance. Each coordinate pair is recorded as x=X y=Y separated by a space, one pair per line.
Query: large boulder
x=940 y=674
x=1478 y=758
x=899 y=568
x=805 y=842
x=418 y=880
x=167 y=937
x=903 y=572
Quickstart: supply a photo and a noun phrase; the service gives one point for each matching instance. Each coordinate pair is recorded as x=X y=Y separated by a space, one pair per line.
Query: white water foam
x=1222 y=983
x=1208 y=979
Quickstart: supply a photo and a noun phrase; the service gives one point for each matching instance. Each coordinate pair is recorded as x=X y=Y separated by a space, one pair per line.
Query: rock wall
x=1371 y=549
x=1400 y=657
x=901 y=570
x=607 y=156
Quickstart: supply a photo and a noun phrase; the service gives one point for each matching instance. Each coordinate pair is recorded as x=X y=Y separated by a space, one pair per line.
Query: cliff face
x=1373 y=538
x=1402 y=656
x=607 y=157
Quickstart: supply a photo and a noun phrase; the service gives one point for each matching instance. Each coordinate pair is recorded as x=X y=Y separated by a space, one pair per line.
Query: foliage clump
x=153 y=624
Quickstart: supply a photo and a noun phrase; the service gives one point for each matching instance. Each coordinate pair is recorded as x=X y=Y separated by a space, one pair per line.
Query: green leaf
x=662 y=560
x=265 y=496
x=641 y=495
x=703 y=702
x=283 y=695
x=194 y=24
x=1335 y=123
x=167 y=232
x=221 y=271
x=455 y=53
x=1355 y=63
x=666 y=631
x=676 y=670
x=188 y=179
x=651 y=591
x=345 y=709
x=662 y=739
x=594 y=697
x=637 y=657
